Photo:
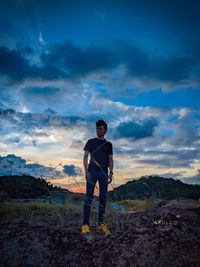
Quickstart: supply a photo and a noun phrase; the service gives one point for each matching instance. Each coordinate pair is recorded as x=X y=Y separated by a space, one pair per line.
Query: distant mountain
x=28 y=187
x=156 y=187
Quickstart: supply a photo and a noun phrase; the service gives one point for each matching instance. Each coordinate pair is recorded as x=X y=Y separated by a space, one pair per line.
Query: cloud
x=77 y=144
x=38 y=170
x=41 y=132
x=79 y=61
x=41 y=39
x=193 y=179
x=147 y=138
x=41 y=91
x=15 y=67
x=13 y=140
x=176 y=175
x=186 y=129
x=170 y=161
x=120 y=64
x=13 y=165
x=176 y=69
x=135 y=130
x=72 y=170
x=13 y=64
x=31 y=122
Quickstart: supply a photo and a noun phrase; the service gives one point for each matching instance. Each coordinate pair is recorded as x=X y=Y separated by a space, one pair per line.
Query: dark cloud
x=15 y=66
x=166 y=158
x=135 y=130
x=169 y=161
x=77 y=60
x=77 y=144
x=136 y=59
x=69 y=61
x=13 y=140
x=41 y=91
x=13 y=165
x=28 y=122
x=171 y=175
x=8 y=116
x=11 y=158
x=38 y=170
x=157 y=157
x=46 y=96
x=183 y=155
x=72 y=170
x=186 y=131
x=193 y=179
x=176 y=68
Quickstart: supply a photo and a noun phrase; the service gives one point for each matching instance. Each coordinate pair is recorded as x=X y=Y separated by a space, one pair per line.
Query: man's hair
x=101 y=123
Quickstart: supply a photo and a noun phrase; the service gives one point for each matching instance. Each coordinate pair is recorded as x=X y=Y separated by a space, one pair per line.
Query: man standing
x=101 y=158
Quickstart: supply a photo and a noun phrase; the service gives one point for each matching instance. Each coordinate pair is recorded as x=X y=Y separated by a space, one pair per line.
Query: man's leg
x=90 y=185
x=103 y=187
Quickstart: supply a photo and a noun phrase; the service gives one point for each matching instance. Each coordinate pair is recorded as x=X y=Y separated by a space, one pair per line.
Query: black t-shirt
x=101 y=155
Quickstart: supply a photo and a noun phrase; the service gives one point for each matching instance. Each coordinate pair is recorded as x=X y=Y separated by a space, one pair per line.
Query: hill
x=155 y=187
x=28 y=187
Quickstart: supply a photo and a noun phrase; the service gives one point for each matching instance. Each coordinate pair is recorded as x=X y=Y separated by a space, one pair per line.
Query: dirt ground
x=163 y=236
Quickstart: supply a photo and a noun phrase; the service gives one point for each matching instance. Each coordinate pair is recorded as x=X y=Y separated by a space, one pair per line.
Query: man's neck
x=101 y=138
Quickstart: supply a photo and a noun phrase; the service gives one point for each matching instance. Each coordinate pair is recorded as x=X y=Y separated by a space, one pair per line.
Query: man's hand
x=87 y=175
x=110 y=177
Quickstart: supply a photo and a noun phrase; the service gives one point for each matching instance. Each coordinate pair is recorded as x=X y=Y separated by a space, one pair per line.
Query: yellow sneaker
x=103 y=229
x=85 y=229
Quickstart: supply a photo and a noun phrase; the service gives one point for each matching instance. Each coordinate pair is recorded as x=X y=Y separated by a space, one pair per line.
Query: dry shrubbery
x=9 y=210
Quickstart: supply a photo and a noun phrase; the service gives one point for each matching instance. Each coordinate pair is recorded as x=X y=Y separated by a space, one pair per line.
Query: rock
x=137 y=242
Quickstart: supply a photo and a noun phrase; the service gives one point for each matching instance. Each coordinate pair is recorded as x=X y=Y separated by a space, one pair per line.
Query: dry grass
x=138 y=204
x=9 y=210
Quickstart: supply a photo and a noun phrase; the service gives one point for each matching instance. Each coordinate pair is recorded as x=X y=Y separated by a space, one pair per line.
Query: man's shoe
x=85 y=229
x=103 y=229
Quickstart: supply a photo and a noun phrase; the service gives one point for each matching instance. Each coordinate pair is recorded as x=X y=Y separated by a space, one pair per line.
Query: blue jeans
x=103 y=187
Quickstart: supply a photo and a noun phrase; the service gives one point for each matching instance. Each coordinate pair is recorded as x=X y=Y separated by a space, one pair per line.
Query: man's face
x=100 y=131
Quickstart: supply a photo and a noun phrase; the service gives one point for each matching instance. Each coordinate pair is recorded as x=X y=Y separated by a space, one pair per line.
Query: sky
x=66 y=64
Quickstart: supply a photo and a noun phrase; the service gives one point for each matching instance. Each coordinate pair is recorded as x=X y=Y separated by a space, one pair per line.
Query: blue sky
x=66 y=64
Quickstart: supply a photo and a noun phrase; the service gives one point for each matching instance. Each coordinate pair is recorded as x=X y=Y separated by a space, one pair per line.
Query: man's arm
x=85 y=164
x=110 y=176
x=111 y=163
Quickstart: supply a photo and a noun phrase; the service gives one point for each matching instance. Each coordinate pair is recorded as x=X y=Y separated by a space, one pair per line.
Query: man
x=101 y=158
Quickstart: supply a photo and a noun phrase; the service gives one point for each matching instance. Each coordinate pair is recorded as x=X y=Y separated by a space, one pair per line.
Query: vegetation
x=28 y=187
x=155 y=187
x=138 y=203
x=147 y=187
x=10 y=210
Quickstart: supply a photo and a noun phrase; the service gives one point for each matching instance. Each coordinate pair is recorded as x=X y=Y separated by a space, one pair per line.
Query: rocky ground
x=163 y=236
